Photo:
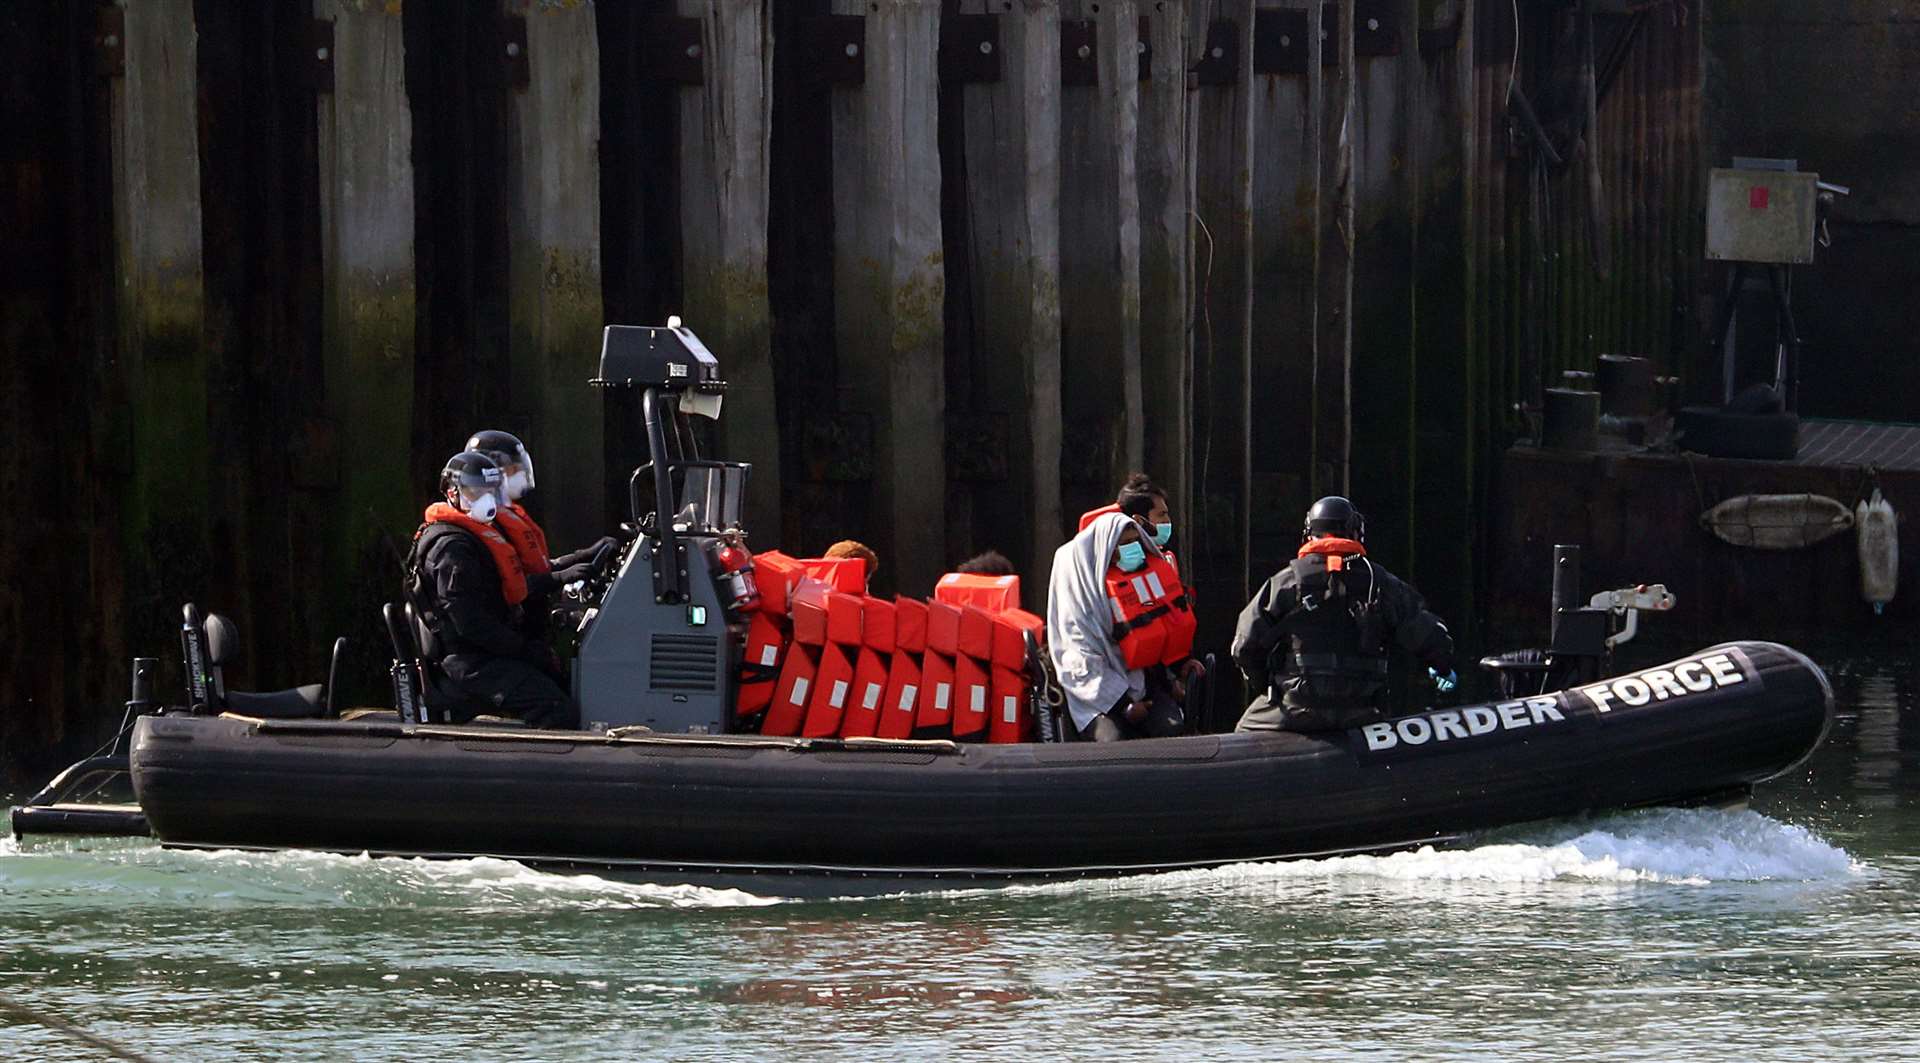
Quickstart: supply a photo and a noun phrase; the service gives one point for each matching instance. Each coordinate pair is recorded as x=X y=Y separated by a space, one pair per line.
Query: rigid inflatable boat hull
x=738 y=804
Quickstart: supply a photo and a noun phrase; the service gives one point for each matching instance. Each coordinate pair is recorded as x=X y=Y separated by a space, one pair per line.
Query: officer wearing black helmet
x=468 y=587
x=1313 y=642
x=545 y=574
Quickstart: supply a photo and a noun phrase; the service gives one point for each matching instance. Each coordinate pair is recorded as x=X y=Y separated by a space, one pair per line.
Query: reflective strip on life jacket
x=1179 y=621
x=972 y=687
x=992 y=593
x=862 y=716
x=936 y=692
x=900 y=702
x=1012 y=714
x=831 y=687
x=791 y=693
x=760 y=663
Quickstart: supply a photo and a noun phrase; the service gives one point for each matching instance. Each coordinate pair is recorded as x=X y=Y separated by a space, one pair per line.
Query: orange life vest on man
x=1334 y=549
x=526 y=536
x=513 y=576
x=1152 y=614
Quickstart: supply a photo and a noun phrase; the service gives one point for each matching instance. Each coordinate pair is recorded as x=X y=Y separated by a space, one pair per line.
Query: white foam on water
x=1689 y=847
x=135 y=871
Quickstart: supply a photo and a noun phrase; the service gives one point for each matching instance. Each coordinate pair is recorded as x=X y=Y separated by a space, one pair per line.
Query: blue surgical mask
x=1132 y=556
x=1162 y=532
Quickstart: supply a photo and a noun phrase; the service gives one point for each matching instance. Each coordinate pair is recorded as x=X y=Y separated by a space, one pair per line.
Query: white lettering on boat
x=1696 y=675
x=1453 y=725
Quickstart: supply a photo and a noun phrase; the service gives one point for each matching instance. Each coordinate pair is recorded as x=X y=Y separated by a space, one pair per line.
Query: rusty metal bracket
x=1146 y=48
x=672 y=50
x=513 y=50
x=110 y=42
x=834 y=48
x=1220 y=61
x=970 y=49
x=1079 y=52
x=1279 y=42
x=318 y=63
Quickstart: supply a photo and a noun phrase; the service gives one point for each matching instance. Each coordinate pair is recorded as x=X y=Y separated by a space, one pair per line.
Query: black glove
x=589 y=553
x=573 y=573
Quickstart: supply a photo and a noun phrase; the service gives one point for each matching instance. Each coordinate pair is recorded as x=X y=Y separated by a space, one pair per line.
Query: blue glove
x=1444 y=683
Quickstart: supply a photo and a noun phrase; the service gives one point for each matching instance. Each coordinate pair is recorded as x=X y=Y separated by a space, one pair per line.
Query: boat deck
x=1859 y=443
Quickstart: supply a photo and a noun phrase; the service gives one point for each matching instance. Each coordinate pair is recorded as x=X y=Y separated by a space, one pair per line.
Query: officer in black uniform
x=1313 y=642
x=467 y=590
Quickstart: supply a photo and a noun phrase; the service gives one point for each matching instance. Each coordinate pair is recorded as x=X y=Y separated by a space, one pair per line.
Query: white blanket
x=1080 y=622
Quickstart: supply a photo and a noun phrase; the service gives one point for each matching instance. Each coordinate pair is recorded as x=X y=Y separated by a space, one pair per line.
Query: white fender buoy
x=1878 y=531
x=1777 y=522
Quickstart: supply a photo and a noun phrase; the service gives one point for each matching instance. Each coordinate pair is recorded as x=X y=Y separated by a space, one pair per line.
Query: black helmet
x=1335 y=516
x=472 y=472
x=504 y=448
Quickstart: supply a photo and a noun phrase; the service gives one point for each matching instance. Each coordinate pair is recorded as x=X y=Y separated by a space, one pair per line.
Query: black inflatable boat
x=1705 y=727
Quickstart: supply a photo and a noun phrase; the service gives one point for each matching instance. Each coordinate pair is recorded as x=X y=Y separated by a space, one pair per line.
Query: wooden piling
x=1166 y=193
x=367 y=324
x=1382 y=358
x=1012 y=183
x=1333 y=320
x=889 y=281
x=1449 y=369
x=555 y=317
x=1286 y=228
x=725 y=144
x=157 y=228
x=1100 y=251
x=1222 y=148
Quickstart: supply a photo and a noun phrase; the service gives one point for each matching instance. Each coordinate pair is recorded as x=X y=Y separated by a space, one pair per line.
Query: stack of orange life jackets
x=825 y=659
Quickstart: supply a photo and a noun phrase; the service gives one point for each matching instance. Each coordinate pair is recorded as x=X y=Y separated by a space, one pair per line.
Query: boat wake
x=69 y=873
x=1672 y=846
x=1690 y=847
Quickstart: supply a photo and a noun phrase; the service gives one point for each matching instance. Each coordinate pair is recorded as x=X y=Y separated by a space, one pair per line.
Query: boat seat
x=215 y=642
x=298 y=703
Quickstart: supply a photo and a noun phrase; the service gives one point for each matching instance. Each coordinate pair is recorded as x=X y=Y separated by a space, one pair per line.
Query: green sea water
x=1789 y=931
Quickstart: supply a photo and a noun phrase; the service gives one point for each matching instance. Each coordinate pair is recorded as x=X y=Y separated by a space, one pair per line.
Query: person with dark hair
x=468 y=589
x=1144 y=501
x=987 y=563
x=1313 y=641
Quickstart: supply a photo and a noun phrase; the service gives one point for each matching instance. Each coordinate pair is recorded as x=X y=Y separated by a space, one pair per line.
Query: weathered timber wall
x=968 y=264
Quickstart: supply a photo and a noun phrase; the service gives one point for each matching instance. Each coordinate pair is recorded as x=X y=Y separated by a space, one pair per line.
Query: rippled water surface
x=1790 y=931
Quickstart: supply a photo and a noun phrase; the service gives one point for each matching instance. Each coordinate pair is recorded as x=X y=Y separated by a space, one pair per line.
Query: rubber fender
x=1877 y=531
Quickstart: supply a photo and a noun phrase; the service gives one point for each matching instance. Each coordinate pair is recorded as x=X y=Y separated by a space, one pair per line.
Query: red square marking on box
x=1757 y=198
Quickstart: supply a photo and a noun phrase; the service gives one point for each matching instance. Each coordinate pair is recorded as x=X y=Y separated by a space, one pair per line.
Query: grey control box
x=1761 y=216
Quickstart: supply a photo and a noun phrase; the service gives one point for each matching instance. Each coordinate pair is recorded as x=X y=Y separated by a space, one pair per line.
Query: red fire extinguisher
x=736 y=575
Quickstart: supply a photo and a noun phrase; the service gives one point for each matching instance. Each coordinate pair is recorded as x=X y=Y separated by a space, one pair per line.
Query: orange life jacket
x=992 y=593
x=1011 y=709
x=1095 y=514
x=1151 y=613
x=525 y=535
x=767 y=638
x=1335 y=550
x=832 y=690
x=900 y=702
x=513 y=577
x=862 y=716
